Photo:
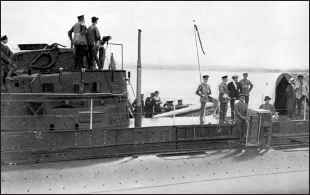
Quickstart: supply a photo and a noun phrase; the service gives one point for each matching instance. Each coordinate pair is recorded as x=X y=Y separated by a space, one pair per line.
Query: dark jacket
x=241 y=110
x=93 y=35
x=232 y=91
x=6 y=54
x=149 y=104
x=135 y=103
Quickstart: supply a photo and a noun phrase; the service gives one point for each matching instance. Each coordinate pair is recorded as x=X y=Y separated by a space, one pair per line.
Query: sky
x=247 y=34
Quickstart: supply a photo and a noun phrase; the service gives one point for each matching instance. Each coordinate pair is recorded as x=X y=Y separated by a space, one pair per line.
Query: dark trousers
x=100 y=61
x=268 y=132
x=90 y=57
x=149 y=112
x=242 y=128
x=157 y=109
x=7 y=70
x=223 y=110
x=290 y=113
x=299 y=103
x=247 y=99
x=232 y=107
x=80 y=52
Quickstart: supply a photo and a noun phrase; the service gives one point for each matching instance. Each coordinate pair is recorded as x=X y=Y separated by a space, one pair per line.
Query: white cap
x=292 y=80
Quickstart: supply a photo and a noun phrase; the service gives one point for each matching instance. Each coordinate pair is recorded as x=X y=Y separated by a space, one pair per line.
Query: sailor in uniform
x=79 y=41
x=224 y=99
x=203 y=91
x=6 y=62
x=93 y=38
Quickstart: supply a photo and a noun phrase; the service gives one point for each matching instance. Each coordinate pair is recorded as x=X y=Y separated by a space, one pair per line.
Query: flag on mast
x=199 y=38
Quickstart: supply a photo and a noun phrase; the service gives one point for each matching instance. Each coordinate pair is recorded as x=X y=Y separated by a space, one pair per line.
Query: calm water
x=182 y=84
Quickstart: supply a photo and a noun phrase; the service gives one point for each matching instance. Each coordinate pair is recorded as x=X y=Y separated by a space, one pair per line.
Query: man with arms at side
x=224 y=99
x=291 y=99
x=267 y=118
x=79 y=41
x=93 y=37
x=241 y=109
x=245 y=84
x=234 y=89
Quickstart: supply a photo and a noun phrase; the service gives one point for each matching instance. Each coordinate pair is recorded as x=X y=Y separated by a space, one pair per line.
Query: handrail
x=65 y=94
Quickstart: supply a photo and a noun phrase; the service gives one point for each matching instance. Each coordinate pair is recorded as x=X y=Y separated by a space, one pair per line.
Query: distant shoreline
x=219 y=68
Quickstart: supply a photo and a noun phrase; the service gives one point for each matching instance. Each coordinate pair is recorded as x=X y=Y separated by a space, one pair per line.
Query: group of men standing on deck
x=297 y=92
x=87 y=43
x=151 y=106
x=228 y=93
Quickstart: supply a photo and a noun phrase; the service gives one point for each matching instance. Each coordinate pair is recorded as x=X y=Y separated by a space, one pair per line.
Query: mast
x=138 y=112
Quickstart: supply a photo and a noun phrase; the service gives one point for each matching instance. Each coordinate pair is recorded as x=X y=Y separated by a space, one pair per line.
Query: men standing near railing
x=302 y=91
x=234 y=89
x=149 y=106
x=93 y=37
x=245 y=84
x=224 y=99
x=79 y=41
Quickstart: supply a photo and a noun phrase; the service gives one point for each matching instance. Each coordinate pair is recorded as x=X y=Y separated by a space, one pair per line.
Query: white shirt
x=235 y=84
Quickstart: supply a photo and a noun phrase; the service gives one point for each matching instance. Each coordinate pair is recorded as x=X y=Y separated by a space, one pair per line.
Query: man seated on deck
x=266 y=119
x=241 y=109
x=6 y=62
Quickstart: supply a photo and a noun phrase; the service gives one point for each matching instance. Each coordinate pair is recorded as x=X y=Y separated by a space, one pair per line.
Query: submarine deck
x=239 y=170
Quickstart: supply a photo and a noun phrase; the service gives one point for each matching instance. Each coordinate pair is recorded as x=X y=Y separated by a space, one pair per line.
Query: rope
x=51 y=64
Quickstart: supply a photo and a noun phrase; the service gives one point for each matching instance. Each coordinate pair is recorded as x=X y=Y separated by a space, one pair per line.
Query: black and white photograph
x=154 y=97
